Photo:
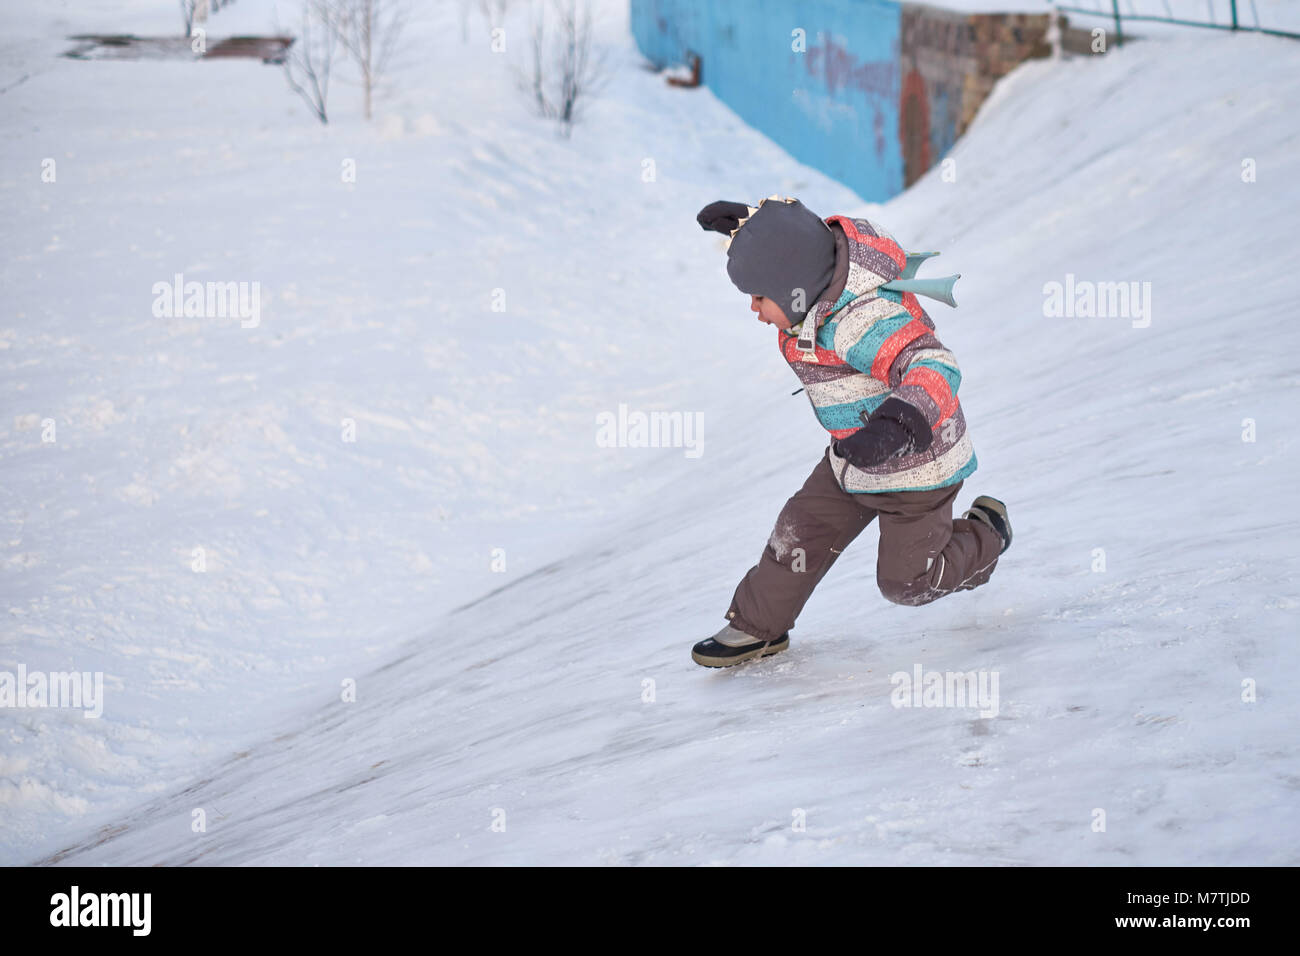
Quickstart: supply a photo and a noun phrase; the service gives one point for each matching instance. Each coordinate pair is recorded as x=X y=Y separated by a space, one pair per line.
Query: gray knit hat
x=785 y=252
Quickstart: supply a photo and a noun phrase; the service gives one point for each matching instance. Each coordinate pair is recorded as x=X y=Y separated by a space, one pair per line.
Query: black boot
x=732 y=646
x=993 y=513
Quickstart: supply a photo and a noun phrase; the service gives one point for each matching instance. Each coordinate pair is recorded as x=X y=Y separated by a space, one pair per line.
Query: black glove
x=722 y=216
x=896 y=428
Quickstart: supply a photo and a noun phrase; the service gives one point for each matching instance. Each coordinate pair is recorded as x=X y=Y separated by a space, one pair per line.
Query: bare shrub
x=308 y=61
x=369 y=31
x=566 y=70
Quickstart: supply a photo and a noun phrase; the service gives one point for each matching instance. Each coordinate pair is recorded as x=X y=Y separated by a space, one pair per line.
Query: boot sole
x=760 y=650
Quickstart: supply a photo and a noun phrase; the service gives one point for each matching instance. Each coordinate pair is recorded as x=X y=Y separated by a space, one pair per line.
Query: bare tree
x=369 y=31
x=566 y=71
x=307 y=62
x=493 y=11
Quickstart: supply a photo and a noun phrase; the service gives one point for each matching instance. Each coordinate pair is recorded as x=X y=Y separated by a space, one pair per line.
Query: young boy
x=885 y=388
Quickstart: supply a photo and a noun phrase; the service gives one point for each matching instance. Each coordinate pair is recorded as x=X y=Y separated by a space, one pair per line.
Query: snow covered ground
x=549 y=712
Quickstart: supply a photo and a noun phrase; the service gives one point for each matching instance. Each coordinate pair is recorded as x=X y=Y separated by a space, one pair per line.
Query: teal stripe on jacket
x=863 y=351
x=848 y=415
x=950 y=374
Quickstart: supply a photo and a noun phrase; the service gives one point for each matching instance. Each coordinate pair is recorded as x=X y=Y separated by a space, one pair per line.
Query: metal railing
x=1235 y=22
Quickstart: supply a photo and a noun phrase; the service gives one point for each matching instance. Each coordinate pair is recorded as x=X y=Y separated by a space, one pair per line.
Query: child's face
x=769 y=312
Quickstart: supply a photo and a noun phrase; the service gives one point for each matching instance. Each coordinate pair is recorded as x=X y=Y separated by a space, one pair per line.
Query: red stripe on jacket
x=890 y=348
x=913 y=306
x=879 y=243
x=936 y=386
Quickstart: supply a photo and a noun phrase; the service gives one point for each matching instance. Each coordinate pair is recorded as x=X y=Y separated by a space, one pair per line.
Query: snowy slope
x=529 y=703
x=474 y=428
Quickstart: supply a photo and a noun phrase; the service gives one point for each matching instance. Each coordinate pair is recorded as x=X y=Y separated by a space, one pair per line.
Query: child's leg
x=925 y=553
x=815 y=525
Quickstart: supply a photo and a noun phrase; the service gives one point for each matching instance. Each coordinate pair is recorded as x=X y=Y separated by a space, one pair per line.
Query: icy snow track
x=1141 y=628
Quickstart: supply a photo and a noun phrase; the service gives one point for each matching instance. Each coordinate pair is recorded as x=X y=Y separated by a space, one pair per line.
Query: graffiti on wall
x=875 y=93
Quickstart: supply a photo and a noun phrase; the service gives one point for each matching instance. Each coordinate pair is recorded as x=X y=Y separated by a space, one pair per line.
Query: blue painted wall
x=834 y=107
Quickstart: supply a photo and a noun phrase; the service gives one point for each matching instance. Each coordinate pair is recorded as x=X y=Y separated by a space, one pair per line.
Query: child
x=885 y=388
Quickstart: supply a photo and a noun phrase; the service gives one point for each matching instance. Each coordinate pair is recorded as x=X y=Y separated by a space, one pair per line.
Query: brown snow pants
x=924 y=553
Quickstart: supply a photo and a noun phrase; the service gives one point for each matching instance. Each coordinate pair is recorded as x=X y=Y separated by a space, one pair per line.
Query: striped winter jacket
x=871 y=344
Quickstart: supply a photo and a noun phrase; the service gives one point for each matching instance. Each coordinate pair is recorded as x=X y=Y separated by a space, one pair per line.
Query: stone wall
x=949 y=62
